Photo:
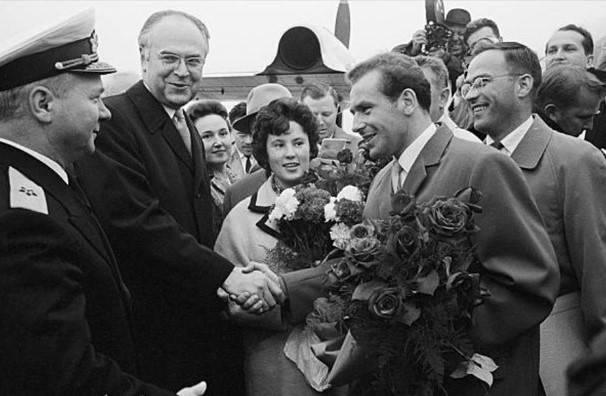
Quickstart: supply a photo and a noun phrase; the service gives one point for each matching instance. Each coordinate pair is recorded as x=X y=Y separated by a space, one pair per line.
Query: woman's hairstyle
x=202 y=108
x=274 y=119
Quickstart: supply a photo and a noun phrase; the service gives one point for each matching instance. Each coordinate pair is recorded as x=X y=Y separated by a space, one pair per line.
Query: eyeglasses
x=481 y=81
x=173 y=61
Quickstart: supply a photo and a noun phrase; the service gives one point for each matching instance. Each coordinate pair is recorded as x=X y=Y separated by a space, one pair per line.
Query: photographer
x=450 y=46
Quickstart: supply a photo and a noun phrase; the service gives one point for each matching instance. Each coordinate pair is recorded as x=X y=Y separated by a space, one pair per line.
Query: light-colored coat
x=567 y=177
x=246 y=236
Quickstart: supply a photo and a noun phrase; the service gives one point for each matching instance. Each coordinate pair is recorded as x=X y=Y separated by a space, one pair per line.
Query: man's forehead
x=176 y=30
x=325 y=101
x=490 y=62
x=563 y=37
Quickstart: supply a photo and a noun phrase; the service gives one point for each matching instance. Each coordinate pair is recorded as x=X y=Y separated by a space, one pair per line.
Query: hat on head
x=457 y=16
x=68 y=46
x=258 y=97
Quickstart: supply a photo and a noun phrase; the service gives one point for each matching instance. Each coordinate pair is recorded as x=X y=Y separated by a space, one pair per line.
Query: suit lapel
x=532 y=146
x=156 y=120
x=429 y=157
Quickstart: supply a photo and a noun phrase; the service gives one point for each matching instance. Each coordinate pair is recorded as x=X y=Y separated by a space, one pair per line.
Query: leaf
x=428 y=284
x=409 y=314
x=479 y=366
x=365 y=290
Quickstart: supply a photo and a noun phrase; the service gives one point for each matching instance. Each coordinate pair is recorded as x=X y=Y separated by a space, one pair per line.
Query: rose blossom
x=365 y=250
x=448 y=217
x=385 y=303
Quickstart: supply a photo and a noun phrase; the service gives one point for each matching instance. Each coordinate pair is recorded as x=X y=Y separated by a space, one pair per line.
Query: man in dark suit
x=567 y=177
x=65 y=325
x=149 y=185
x=390 y=100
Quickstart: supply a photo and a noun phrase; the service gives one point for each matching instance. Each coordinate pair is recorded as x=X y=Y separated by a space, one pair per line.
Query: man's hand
x=196 y=390
x=243 y=286
x=419 y=39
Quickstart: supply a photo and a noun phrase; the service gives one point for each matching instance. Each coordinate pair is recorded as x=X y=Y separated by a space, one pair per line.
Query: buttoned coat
x=153 y=200
x=65 y=313
x=567 y=177
x=517 y=260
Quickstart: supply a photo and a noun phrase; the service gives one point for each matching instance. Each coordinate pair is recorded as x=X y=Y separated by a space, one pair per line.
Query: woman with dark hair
x=210 y=119
x=284 y=141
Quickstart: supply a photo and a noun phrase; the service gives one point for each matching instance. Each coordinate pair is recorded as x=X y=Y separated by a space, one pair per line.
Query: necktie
x=398 y=176
x=498 y=145
x=181 y=125
x=248 y=163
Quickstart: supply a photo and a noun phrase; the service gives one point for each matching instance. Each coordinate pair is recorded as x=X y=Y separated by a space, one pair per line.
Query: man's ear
x=524 y=85
x=589 y=61
x=408 y=101
x=552 y=111
x=444 y=97
x=42 y=102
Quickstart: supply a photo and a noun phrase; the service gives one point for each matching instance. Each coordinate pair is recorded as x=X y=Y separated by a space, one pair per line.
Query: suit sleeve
x=116 y=180
x=584 y=217
x=45 y=340
x=519 y=267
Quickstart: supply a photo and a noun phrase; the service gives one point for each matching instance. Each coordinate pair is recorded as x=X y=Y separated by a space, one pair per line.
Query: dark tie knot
x=497 y=145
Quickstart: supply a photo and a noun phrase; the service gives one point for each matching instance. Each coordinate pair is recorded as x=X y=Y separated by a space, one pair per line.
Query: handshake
x=255 y=288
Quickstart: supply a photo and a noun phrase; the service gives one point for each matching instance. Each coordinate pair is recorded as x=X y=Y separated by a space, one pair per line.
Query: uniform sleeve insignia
x=26 y=194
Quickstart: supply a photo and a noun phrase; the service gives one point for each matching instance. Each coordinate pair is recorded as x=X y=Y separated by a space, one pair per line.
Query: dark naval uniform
x=64 y=310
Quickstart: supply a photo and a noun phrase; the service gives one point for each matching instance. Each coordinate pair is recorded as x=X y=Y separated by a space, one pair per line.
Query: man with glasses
x=567 y=177
x=148 y=184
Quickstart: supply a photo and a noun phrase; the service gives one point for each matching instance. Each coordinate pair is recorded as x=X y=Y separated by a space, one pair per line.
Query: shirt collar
x=42 y=158
x=513 y=139
x=410 y=154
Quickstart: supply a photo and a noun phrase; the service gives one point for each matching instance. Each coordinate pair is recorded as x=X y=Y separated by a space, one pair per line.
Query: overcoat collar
x=533 y=145
x=261 y=202
x=430 y=156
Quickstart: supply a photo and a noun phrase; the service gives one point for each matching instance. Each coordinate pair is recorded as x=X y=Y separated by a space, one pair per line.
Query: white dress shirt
x=402 y=166
x=511 y=141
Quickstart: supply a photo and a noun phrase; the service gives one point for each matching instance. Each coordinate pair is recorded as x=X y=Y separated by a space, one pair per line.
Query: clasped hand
x=255 y=288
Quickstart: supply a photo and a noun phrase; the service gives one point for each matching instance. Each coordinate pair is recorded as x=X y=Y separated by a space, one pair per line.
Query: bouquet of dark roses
x=402 y=299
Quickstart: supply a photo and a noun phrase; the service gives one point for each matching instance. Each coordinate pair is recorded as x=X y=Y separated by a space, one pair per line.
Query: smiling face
x=495 y=104
x=215 y=135
x=566 y=47
x=173 y=60
x=77 y=114
x=325 y=111
x=288 y=154
x=376 y=117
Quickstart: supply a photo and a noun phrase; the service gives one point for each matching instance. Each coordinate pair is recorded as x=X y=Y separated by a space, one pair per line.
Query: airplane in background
x=306 y=54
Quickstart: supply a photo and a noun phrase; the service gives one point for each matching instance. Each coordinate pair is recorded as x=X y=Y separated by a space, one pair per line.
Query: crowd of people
x=134 y=228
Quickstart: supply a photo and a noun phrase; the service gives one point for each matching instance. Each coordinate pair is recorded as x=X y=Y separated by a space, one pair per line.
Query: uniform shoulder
x=20 y=192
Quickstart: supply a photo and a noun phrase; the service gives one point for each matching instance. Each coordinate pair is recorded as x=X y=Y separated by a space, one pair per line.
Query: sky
x=245 y=34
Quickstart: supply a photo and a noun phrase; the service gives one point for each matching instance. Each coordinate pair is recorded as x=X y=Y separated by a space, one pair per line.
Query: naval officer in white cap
x=64 y=311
